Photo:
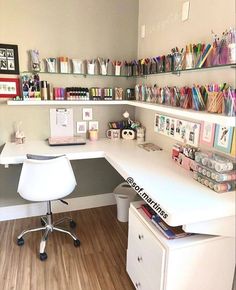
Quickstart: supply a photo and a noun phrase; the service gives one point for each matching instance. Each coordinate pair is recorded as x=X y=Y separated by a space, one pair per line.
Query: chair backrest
x=46 y=178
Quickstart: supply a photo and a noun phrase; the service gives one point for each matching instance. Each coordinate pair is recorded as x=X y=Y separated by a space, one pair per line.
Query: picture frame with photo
x=180 y=130
x=93 y=126
x=9 y=60
x=87 y=114
x=207 y=133
x=9 y=87
x=223 y=138
x=81 y=127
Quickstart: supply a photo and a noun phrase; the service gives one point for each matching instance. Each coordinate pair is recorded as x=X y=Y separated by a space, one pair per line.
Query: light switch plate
x=143 y=28
x=185 y=10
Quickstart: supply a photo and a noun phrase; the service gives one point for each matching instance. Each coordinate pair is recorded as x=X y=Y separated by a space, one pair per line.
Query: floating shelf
x=178 y=72
x=65 y=103
x=178 y=112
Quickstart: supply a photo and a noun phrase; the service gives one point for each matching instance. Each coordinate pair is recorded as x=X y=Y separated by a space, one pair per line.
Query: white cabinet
x=198 y=262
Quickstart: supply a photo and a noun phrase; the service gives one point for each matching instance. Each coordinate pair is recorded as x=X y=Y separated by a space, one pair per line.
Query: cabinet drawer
x=136 y=273
x=147 y=252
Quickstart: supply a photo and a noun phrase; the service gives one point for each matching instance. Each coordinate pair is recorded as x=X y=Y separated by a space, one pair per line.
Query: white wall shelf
x=178 y=112
x=186 y=113
x=67 y=103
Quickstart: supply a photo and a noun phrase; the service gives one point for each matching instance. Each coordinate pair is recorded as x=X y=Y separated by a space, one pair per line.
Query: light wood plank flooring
x=98 y=264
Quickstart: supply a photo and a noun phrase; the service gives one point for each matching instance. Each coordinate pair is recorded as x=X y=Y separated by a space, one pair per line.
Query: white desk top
x=179 y=195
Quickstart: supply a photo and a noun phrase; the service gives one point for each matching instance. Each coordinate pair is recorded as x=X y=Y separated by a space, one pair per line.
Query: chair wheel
x=20 y=242
x=76 y=243
x=43 y=256
x=72 y=224
x=42 y=222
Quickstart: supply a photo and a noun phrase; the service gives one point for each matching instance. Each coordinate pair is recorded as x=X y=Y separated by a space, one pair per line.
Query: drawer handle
x=140 y=259
x=137 y=284
x=140 y=236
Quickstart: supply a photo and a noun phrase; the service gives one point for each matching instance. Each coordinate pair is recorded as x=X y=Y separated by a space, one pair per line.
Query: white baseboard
x=38 y=209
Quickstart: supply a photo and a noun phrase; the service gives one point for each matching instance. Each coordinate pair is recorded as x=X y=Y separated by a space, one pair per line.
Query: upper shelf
x=178 y=112
x=178 y=72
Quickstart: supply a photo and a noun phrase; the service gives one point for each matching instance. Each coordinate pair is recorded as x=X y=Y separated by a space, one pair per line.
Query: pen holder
x=93 y=135
x=90 y=68
x=160 y=64
x=215 y=102
x=232 y=52
x=117 y=70
x=189 y=61
x=178 y=59
x=77 y=66
x=153 y=67
x=229 y=107
x=135 y=70
x=118 y=94
x=51 y=64
x=103 y=69
x=168 y=63
x=129 y=70
x=64 y=64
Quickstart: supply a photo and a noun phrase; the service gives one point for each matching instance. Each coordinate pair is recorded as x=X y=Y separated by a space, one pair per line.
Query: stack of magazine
x=168 y=231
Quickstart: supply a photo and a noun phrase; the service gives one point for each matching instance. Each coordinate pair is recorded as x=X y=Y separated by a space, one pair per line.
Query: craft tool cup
x=178 y=61
x=215 y=102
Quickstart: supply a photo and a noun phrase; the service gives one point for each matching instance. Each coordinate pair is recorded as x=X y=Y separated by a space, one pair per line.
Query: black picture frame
x=9 y=60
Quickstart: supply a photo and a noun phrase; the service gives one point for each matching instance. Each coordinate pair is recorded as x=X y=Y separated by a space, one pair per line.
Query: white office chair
x=45 y=179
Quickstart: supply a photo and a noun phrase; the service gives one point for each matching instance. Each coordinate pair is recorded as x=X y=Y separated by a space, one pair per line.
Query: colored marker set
x=215 y=171
x=77 y=94
x=214 y=98
x=97 y=94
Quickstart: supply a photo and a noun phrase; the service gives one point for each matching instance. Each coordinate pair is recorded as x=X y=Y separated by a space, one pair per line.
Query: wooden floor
x=98 y=264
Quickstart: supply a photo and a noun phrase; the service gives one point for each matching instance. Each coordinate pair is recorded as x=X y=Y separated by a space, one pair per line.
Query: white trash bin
x=124 y=194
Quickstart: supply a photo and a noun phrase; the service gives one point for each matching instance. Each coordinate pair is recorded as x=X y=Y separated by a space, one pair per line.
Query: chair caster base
x=20 y=242
x=76 y=243
x=72 y=224
x=43 y=256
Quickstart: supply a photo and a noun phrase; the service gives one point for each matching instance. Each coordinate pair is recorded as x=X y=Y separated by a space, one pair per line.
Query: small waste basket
x=124 y=194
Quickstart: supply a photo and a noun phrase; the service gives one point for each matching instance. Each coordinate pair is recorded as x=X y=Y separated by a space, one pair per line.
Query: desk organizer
x=214 y=161
x=215 y=171
x=218 y=187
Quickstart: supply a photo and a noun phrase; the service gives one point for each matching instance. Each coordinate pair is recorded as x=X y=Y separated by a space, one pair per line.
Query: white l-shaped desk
x=185 y=201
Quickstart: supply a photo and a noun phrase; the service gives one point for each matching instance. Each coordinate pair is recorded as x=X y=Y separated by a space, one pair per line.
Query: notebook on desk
x=63 y=141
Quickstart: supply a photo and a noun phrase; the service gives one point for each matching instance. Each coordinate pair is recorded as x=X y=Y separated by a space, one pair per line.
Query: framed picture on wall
x=81 y=127
x=223 y=138
x=9 y=88
x=9 y=62
x=87 y=114
x=207 y=133
x=93 y=125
